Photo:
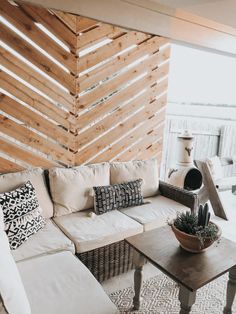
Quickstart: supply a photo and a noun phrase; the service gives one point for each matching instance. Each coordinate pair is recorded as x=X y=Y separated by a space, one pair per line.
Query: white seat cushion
x=50 y=239
x=60 y=284
x=156 y=213
x=13 y=299
x=89 y=233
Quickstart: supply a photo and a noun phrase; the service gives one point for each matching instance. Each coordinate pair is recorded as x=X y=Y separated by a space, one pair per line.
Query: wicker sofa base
x=108 y=261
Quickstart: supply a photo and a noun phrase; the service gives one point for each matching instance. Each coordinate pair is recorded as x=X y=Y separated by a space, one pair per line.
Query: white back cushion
x=11 y=181
x=132 y=170
x=12 y=292
x=71 y=188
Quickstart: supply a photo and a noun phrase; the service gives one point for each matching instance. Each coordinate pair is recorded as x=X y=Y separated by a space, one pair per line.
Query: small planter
x=191 y=243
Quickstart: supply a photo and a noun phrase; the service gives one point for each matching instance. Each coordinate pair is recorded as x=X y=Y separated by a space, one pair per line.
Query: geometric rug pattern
x=160 y=296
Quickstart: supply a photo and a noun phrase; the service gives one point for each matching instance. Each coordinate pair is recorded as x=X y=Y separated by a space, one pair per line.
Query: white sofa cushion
x=12 y=292
x=48 y=240
x=10 y=181
x=71 y=188
x=132 y=170
x=89 y=233
x=61 y=284
x=156 y=213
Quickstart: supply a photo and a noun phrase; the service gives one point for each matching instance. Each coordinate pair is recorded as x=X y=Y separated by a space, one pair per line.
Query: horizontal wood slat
x=16 y=16
x=69 y=19
x=99 y=128
x=112 y=66
x=84 y=23
x=110 y=104
x=110 y=137
x=111 y=49
x=92 y=37
x=24 y=155
x=120 y=80
x=153 y=150
x=31 y=98
x=34 y=120
x=53 y=24
x=74 y=90
x=140 y=146
x=28 y=137
x=37 y=58
x=9 y=166
x=24 y=71
x=115 y=149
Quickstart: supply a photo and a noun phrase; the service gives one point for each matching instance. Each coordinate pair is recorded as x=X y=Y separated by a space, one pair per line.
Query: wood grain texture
x=35 y=79
x=15 y=16
x=37 y=58
x=53 y=24
x=78 y=90
x=192 y=271
x=9 y=166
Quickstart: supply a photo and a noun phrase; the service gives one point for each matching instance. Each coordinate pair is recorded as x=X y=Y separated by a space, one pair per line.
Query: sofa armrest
x=179 y=195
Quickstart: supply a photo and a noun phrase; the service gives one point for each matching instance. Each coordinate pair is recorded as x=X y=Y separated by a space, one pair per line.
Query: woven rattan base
x=108 y=261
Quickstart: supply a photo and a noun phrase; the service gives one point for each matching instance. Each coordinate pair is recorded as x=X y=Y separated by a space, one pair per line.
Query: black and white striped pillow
x=21 y=214
x=110 y=197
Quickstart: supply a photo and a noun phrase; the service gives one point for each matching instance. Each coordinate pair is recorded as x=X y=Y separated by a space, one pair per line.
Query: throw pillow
x=11 y=181
x=21 y=214
x=110 y=197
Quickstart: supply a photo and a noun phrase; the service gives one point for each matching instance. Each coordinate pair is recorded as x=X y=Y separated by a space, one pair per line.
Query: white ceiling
x=182 y=3
x=210 y=24
x=220 y=11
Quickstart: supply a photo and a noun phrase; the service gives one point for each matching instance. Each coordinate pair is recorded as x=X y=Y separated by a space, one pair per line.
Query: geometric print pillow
x=21 y=214
x=116 y=196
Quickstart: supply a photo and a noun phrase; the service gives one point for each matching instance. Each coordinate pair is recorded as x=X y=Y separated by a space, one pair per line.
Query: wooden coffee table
x=190 y=271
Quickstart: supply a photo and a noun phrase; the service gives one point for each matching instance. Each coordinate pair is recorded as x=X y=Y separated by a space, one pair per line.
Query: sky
x=202 y=77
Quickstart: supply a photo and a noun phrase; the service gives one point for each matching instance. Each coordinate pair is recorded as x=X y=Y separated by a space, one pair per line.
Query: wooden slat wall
x=121 y=99
x=75 y=91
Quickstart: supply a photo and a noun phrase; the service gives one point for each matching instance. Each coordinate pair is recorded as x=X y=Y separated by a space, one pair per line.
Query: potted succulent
x=194 y=232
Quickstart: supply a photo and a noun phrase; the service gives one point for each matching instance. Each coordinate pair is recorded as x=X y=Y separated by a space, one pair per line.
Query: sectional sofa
x=49 y=262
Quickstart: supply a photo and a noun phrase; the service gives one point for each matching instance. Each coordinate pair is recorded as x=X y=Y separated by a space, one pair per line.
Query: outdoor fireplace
x=184 y=174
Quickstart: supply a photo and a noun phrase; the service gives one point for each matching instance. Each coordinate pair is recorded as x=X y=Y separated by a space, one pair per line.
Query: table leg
x=231 y=290
x=187 y=299
x=139 y=261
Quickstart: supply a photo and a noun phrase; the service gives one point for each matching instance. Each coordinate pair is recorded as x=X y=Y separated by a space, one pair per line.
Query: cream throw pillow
x=11 y=181
x=71 y=188
x=136 y=169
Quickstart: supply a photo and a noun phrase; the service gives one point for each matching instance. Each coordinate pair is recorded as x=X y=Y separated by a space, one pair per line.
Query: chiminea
x=185 y=175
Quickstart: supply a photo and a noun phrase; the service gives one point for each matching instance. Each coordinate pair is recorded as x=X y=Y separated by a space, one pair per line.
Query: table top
x=191 y=270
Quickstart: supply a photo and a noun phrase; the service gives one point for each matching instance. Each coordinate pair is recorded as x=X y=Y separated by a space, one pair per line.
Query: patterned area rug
x=160 y=296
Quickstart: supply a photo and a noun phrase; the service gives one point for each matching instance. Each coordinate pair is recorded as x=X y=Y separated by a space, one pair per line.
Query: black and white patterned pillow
x=21 y=214
x=110 y=197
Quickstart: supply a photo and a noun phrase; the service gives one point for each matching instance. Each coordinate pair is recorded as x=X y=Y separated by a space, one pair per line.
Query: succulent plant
x=198 y=225
x=203 y=215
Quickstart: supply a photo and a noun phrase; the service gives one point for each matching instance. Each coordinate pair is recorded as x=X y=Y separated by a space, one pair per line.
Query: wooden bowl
x=191 y=243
